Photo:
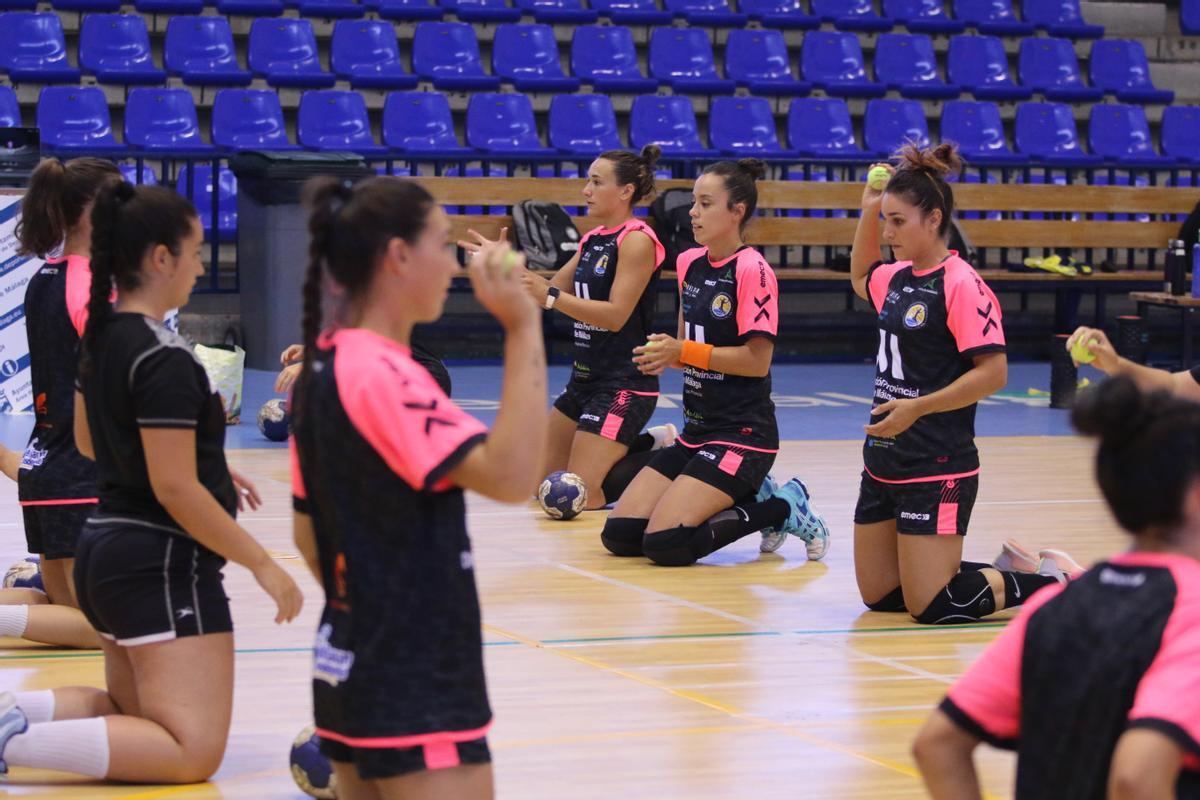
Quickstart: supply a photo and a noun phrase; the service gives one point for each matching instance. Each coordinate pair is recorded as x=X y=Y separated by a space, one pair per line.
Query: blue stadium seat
x=922 y=16
x=566 y=12
x=410 y=10
x=87 y=6
x=32 y=48
x=744 y=126
x=1120 y=132
x=201 y=51
x=1181 y=132
x=483 y=10
x=834 y=62
x=331 y=9
x=284 y=51
x=251 y=8
x=447 y=53
x=527 y=55
x=980 y=65
x=168 y=7
x=201 y=197
x=633 y=12
x=583 y=124
x=10 y=110
x=336 y=120
x=366 y=53
x=249 y=119
x=1049 y=66
x=1047 y=132
x=1119 y=67
x=759 y=61
x=419 y=123
x=668 y=122
x=503 y=124
x=604 y=56
x=144 y=177
x=683 y=58
x=905 y=62
x=18 y=5
x=979 y=132
x=116 y=49
x=991 y=16
x=821 y=127
x=163 y=121
x=710 y=13
x=780 y=14
x=1060 y=18
x=1189 y=17
x=75 y=118
x=890 y=124
x=851 y=15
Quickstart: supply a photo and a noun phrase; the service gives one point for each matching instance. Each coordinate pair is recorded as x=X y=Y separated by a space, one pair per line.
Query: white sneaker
x=772 y=539
x=1015 y=558
x=1058 y=565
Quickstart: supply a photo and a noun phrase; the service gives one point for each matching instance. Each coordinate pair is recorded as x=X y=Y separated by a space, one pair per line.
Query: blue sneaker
x=804 y=521
x=772 y=539
x=12 y=722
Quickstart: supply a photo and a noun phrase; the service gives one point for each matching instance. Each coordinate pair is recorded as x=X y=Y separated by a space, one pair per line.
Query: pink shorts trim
x=947 y=521
x=641 y=394
x=441 y=755
x=930 y=479
x=612 y=426
x=82 y=501
x=680 y=440
x=730 y=462
x=418 y=740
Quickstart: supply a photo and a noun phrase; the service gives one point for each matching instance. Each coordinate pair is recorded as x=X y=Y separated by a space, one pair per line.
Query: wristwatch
x=551 y=295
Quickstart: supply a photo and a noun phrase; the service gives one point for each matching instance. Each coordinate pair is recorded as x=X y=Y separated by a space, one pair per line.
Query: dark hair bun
x=1115 y=411
x=650 y=155
x=938 y=161
x=753 y=167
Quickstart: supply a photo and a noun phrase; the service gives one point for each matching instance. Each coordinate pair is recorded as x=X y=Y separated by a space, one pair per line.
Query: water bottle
x=1176 y=267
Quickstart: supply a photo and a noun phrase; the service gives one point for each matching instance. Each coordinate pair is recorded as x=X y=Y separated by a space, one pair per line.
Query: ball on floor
x=274 y=419
x=25 y=574
x=310 y=769
x=562 y=495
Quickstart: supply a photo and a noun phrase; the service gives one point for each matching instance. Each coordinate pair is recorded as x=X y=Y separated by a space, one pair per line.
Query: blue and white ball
x=25 y=574
x=275 y=420
x=310 y=769
x=562 y=495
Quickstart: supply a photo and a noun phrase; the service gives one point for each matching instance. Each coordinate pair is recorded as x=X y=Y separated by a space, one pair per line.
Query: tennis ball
x=510 y=261
x=651 y=344
x=878 y=178
x=1080 y=352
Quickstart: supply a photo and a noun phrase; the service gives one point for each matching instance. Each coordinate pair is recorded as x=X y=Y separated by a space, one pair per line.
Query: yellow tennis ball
x=510 y=261
x=878 y=178
x=651 y=344
x=1080 y=352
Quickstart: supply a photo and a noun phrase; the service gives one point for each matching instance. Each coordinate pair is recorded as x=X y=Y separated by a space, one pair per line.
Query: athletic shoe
x=804 y=521
x=772 y=538
x=1015 y=558
x=664 y=436
x=12 y=722
x=1058 y=565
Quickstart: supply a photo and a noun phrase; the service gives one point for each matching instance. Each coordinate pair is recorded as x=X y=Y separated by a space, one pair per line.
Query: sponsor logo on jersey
x=916 y=316
x=601 y=265
x=1124 y=579
x=722 y=306
x=33 y=456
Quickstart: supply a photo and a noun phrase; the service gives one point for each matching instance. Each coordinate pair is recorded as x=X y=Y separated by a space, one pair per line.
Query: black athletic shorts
x=929 y=507
x=616 y=414
x=53 y=531
x=376 y=763
x=138 y=585
x=736 y=471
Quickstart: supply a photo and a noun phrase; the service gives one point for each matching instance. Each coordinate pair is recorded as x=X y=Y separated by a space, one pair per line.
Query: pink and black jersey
x=603 y=356
x=398 y=656
x=1118 y=648
x=725 y=304
x=931 y=324
x=52 y=470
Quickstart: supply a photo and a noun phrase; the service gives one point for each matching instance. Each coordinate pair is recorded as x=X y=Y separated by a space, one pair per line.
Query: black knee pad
x=674 y=547
x=622 y=536
x=966 y=598
x=892 y=601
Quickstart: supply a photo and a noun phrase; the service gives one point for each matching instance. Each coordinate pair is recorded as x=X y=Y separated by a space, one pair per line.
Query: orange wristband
x=696 y=354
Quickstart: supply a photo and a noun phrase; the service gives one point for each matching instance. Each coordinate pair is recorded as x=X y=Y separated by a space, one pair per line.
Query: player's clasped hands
x=658 y=353
x=901 y=414
x=495 y=272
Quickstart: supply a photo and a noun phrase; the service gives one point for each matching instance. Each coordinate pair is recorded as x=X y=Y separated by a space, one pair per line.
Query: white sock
x=71 y=745
x=13 y=620
x=37 y=706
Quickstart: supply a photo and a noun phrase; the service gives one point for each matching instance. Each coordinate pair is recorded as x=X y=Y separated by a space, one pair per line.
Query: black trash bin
x=272 y=242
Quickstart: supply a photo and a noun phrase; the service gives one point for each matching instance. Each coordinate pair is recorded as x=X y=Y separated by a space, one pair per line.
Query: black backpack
x=673 y=224
x=1189 y=231
x=545 y=233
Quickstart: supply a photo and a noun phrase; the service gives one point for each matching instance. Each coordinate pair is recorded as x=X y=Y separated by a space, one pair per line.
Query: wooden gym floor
x=745 y=676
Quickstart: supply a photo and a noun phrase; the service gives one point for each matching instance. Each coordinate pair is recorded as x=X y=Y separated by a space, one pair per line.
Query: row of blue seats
x=1056 y=17
x=1189 y=17
x=419 y=124
x=116 y=49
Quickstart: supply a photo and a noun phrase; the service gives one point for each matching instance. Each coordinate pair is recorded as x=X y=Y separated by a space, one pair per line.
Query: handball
x=274 y=420
x=878 y=178
x=310 y=769
x=562 y=495
x=25 y=574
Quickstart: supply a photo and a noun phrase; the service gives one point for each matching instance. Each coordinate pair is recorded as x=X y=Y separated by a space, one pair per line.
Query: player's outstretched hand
x=901 y=414
x=1098 y=345
x=872 y=198
x=658 y=353
x=478 y=241
x=282 y=589
x=293 y=353
x=287 y=376
x=496 y=272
